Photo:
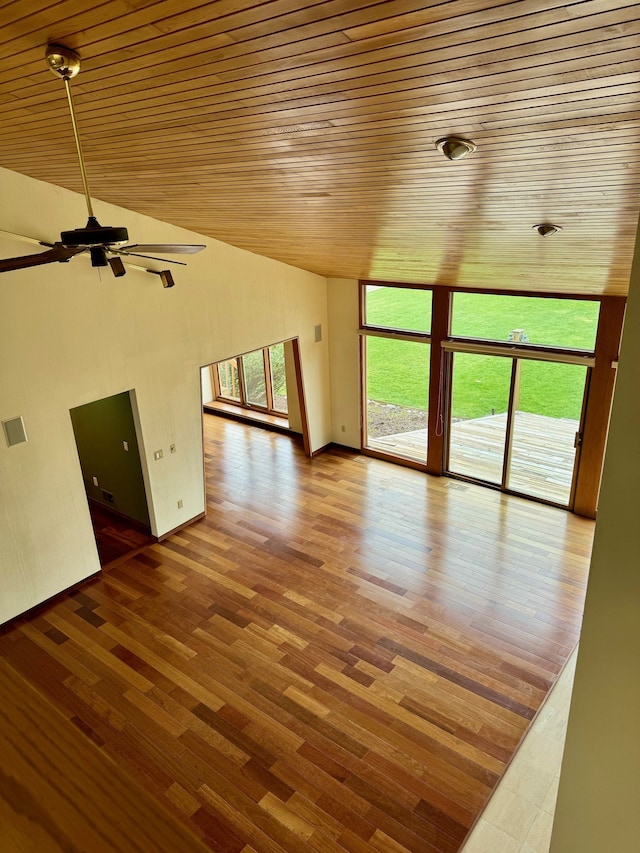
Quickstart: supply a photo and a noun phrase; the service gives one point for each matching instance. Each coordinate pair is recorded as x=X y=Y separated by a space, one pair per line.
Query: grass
x=398 y=371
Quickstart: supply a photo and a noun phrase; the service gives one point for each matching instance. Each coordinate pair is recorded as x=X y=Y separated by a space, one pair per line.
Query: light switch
x=95 y=481
x=158 y=454
x=125 y=444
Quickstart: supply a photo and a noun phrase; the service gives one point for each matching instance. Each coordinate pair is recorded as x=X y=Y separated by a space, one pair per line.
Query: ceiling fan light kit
x=107 y=245
x=166 y=278
x=117 y=267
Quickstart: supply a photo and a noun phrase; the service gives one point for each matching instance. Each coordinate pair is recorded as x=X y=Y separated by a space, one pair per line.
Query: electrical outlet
x=172 y=448
x=158 y=454
x=125 y=444
x=180 y=504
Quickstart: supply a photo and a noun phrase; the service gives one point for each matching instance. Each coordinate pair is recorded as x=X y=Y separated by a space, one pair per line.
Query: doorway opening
x=263 y=387
x=108 y=449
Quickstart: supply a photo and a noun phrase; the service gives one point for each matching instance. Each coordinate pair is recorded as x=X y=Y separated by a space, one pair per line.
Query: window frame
x=601 y=362
x=243 y=402
x=553 y=349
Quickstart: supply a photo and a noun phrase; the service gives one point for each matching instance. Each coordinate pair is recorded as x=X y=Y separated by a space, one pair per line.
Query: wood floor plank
x=342 y=655
x=99 y=807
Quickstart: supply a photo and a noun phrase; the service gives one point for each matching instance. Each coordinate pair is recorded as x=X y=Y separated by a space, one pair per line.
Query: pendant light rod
x=65 y=63
x=76 y=136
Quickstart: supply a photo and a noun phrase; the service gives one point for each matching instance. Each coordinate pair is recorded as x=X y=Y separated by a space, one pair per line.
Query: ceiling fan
x=107 y=245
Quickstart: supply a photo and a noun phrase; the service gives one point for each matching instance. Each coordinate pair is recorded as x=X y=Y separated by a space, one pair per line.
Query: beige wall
x=69 y=336
x=598 y=803
x=344 y=360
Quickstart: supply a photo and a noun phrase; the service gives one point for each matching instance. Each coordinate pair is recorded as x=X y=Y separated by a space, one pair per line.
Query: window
x=397 y=397
x=256 y=380
x=278 y=378
x=402 y=308
x=541 y=321
x=396 y=353
x=228 y=380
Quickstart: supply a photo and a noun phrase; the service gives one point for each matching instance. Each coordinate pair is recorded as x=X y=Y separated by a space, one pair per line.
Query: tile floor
x=519 y=816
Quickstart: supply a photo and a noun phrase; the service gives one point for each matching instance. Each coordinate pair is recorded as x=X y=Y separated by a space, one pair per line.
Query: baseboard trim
x=333 y=445
x=48 y=602
x=181 y=526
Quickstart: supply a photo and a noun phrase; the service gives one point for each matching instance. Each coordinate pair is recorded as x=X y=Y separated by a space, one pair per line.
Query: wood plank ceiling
x=305 y=130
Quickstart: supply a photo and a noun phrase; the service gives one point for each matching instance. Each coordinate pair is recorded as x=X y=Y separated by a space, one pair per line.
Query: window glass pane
x=570 y=323
x=228 y=379
x=278 y=378
x=398 y=308
x=397 y=397
x=255 y=386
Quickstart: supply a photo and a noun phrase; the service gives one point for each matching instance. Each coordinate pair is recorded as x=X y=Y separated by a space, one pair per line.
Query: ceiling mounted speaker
x=455 y=148
x=14 y=431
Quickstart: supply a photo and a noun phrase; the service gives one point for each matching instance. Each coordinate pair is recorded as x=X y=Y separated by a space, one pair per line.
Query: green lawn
x=398 y=371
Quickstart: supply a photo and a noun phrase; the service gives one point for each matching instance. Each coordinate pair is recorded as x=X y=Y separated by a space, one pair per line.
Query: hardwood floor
x=343 y=655
x=59 y=793
x=115 y=535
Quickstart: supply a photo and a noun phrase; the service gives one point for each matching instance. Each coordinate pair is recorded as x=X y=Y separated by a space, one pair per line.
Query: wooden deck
x=542 y=459
x=342 y=656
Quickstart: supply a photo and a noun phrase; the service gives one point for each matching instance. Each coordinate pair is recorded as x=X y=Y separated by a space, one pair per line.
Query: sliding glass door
x=547 y=410
x=515 y=423
x=478 y=416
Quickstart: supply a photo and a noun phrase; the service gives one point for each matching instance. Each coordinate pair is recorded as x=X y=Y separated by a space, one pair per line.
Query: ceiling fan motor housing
x=94 y=234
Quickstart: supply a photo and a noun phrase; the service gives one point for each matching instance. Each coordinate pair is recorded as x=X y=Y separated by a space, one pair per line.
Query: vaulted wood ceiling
x=305 y=131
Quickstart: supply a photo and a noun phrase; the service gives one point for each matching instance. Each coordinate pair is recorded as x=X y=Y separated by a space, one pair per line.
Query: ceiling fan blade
x=169 y=248
x=33 y=240
x=57 y=253
x=148 y=257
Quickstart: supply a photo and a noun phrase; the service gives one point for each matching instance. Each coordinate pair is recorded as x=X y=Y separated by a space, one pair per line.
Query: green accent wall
x=100 y=429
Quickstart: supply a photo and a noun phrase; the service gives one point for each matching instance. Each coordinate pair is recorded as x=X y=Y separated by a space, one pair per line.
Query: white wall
x=69 y=336
x=294 y=415
x=207 y=385
x=344 y=360
x=597 y=809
